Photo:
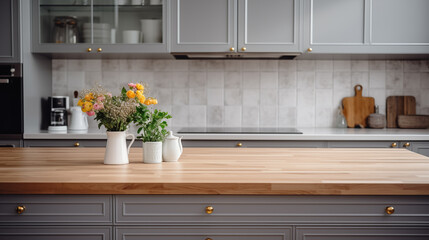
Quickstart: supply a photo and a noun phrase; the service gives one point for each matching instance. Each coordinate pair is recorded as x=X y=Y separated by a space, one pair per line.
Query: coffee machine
x=59 y=106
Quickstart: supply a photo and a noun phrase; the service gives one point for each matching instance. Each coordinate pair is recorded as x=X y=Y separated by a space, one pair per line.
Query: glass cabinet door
x=78 y=25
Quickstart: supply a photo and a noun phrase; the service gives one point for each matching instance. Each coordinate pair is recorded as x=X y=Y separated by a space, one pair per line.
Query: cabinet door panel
x=400 y=22
x=360 y=144
x=9 y=24
x=268 y=26
x=361 y=233
x=338 y=21
x=200 y=233
x=55 y=233
x=203 y=25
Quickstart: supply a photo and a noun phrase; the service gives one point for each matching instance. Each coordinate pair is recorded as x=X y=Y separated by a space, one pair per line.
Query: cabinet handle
x=20 y=209
x=390 y=210
x=243 y=49
x=99 y=50
x=76 y=144
x=208 y=239
x=89 y=50
x=407 y=144
x=239 y=144
x=232 y=49
x=209 y=209
x=309 y=49
x=394 y=145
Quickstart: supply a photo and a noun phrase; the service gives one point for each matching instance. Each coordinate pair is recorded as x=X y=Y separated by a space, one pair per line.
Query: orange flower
x=131 y=94
x=139 y=86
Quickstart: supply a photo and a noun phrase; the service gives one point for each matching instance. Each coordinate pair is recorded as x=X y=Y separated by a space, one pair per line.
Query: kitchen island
x=234 y=193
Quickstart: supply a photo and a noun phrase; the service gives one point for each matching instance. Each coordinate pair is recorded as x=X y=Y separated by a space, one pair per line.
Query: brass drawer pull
x=390 y=210
x=209 y=209
x=89 y=50
x=208 y=239
x=407 y=144
x=394 y=145
x=239 y=144
x=20 y=209
x=76 y=144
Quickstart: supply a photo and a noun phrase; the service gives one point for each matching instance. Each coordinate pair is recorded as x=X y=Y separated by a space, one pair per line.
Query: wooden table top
x=265 y=171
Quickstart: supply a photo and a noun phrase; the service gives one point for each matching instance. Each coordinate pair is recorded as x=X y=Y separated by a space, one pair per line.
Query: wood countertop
x=265 y=171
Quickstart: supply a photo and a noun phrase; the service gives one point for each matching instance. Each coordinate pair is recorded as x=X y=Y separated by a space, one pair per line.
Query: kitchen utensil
x=399 y=105
x=78 y=121
x=152 y=30
x=65 y=29
x=376 y=120
x=172 y=148
x=357 y=108
x=413 y=121
x=130 y=36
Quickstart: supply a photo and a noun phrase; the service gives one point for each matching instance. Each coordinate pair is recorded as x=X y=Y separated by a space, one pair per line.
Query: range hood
x=217 y=55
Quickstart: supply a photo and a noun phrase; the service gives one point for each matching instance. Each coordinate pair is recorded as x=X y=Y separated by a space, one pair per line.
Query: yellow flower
x=139 y=86
x=89 y=96
x=86 y=107
x=150 y=101
x=154 y=101
x=139 y=93
x=147 y=102
x=131 y=94
x=141 y=98
x=80 y=102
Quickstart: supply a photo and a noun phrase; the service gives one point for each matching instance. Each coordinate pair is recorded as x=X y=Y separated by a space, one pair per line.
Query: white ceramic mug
x=152 y=30
x=130 y=36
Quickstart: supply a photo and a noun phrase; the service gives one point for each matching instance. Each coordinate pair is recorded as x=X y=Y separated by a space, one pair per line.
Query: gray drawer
x=254 y=143
x=54 y=233
x=56 y=209
x=201 y=233
x=180 y=209
x=362 y=233
x=362 y=144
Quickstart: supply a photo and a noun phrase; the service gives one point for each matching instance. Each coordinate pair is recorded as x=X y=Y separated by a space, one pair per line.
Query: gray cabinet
x=203 y=25
x=100 y=28
x=55 y=233
x=254 y=143
x=235 y=26
x=201 y=233
x=335 y=232
x=71 y=143
x=10 y=38
x=363 y=144
x=55 y=209
x=365 y=27
x=268 y=26
x=418 y=147
x=10 y=143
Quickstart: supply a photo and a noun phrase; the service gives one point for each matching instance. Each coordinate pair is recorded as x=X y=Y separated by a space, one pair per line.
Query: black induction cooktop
x=231 y=130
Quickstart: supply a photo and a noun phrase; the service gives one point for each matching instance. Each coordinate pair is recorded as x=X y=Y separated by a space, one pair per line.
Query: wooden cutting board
x=399 y=105
x=358 y=108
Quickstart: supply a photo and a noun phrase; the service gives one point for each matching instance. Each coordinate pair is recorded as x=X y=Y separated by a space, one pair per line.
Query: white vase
x=152 y=152
x=116 y=148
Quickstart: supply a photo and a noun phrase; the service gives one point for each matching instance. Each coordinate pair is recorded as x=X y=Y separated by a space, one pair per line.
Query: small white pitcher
x=116 y=148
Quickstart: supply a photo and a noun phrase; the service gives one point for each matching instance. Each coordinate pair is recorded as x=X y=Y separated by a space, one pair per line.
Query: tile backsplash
x=250 y=93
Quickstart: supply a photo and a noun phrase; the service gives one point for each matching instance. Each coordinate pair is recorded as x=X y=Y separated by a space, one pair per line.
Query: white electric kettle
x=78 y=121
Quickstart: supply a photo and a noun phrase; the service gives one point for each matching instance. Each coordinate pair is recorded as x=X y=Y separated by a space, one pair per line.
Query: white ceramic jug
x=116 y=148
x=78 y=121
x=172 y=148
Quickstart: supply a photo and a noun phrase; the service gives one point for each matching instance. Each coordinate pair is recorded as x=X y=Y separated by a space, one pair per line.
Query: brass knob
x=390 y=210
x=407 y=144
x=394 y=145
x=89 y=50
x=239 y=144
x=76 y=144
x=208 y=239
x=209 y=209
x=232 y=49
x=20 y=209
x=243 y=49
x=99 y=50
x=309 y=49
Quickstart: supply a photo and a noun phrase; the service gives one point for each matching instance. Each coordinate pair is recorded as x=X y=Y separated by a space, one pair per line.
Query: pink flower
x=132 y=85
x=90 y=113
x=98 y=106
x=109 y=94
x=101 y=98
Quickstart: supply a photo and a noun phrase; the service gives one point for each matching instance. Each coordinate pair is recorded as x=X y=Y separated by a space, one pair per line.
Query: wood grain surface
x=399 y=105
x=280 y=171
x=357 y=109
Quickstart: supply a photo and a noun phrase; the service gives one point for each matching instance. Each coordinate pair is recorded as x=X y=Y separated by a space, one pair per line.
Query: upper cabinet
x=235 y=26
x=366 y=26
x=10 y=37
x=99 y=26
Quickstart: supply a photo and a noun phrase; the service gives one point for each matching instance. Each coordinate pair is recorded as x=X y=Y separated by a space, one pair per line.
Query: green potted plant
x=152 y=131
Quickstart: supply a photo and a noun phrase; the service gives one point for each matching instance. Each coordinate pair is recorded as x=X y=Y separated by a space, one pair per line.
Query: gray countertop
x=309 y=134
